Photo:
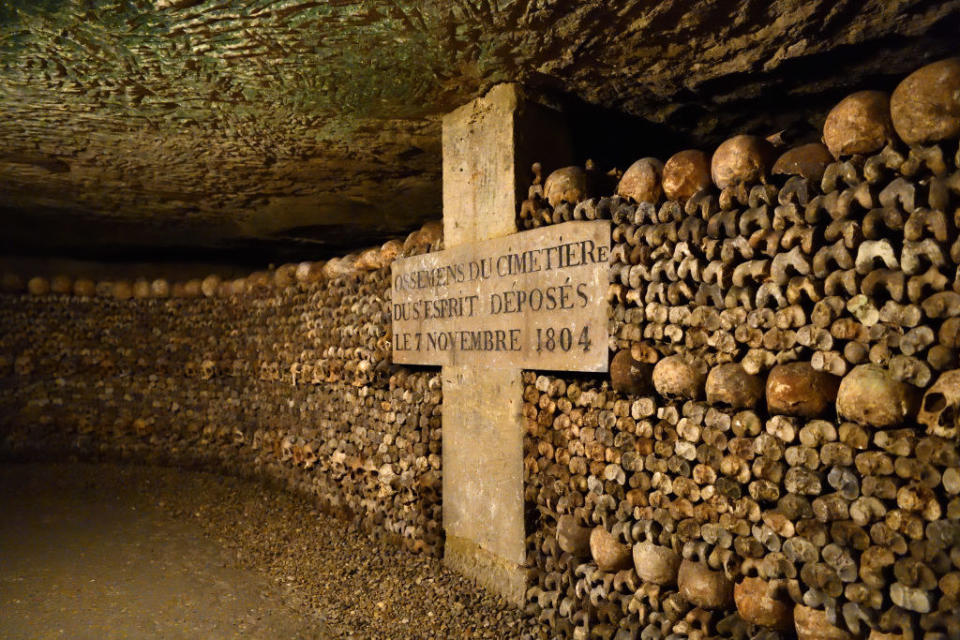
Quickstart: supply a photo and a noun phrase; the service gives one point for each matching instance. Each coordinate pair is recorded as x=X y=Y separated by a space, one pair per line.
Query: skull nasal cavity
x=934 y=402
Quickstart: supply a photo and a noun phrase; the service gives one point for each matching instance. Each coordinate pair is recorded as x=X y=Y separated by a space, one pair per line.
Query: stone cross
x=488 y=146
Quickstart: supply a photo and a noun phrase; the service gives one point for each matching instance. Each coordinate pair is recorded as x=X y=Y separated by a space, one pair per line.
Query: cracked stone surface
x=302 y=128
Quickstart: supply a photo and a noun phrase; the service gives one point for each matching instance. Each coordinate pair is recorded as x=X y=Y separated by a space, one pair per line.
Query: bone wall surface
x=775 y=450
x=271 y=376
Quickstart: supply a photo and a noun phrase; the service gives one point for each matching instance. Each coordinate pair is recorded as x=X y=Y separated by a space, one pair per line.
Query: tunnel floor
x=109 y=552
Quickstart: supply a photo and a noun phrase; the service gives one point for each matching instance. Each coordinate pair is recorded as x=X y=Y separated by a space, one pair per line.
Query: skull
x=319 y=375
x=62 y=285
x=730 y=385
x=85 y=288
x=685 y=173
x=742 y=159
x=369 y=259
x=869 y=395
x=364 y=373
x=652 y=561
x=285 y=275
x=296 y=372
x=679 y=377
x=389 y=251
x=121 y=290
x=208 y=368
x=210 y=285
x=141 y=289
x=608 y=552
x=297 y=451
x=568 y=184
x=699 y=584
x=38 y=286
x=860 y=123
x=23 y=365
x=142 y=427
x=629 y=376
x=940 y=409
x=765 y=603
x=814 y=624
x=309 y=455
x=572 y=537
x=797 y=389
x=925 y=107
x=309 y=272
x=208 y=433
x=273 y=369
x=192 y=288
x=808 y=161
x=641 y=181
x=286 y=448
x=11 y=283
x=334 y=371
x=269 y=371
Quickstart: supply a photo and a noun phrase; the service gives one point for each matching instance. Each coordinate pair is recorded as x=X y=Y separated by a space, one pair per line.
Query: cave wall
x=147 y=127
x=271 y=375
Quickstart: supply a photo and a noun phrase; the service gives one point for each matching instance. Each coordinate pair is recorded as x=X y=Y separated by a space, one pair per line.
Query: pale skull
x=319 y=375
x=273 y=370
x=309 y=455
x=286 y=448
x=940 y=410
x=208 y=368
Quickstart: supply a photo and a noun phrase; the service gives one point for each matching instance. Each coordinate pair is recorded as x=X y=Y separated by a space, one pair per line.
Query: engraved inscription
x=533 y=299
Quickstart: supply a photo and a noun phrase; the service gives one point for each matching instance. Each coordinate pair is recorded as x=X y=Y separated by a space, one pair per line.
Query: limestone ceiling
x=283 y=128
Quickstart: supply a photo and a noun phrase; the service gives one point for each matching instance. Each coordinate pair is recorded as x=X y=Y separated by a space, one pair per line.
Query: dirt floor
x=109 y=552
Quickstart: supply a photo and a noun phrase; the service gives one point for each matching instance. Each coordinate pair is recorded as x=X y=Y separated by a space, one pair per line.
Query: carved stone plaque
x=533 y=300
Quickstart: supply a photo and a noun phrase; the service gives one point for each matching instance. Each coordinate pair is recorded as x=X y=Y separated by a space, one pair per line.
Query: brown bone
x=685 y=173
x=869 y=395
x=798 y=389
x=730 y=385
x=567 y=184
x=858 y=124
x=925 y=106
x=641 y=181
x=807 y=161
x=742 y=159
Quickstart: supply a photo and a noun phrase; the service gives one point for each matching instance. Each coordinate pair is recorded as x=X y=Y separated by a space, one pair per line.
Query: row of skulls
x=923 y=109
x=259 y=283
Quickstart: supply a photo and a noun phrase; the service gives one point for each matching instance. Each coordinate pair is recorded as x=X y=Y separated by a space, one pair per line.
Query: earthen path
x=109 y=552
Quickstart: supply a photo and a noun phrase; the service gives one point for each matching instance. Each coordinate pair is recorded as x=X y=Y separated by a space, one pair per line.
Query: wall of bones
x=283 y=374
x=775 y=450
x=774 y=453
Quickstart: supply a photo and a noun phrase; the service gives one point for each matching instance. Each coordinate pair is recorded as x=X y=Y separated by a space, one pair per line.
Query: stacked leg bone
x=775 y=451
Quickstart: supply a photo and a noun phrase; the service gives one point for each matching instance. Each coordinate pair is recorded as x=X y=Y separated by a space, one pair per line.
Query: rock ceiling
x=272 y=129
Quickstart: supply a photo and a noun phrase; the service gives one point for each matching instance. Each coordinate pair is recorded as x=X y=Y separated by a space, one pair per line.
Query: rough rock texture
x=279 y=125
